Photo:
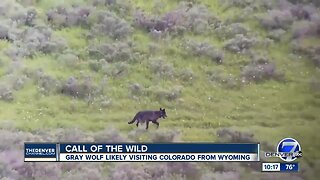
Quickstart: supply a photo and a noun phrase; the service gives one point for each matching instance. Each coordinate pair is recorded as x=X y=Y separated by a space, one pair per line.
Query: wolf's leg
x=137 y=123
x=155 y=122
x=147 y=124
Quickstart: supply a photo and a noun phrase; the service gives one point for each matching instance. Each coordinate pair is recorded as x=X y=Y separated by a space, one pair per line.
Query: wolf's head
x=163 y=113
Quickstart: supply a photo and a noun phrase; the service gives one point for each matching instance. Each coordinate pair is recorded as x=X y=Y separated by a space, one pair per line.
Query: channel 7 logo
x=288 y=150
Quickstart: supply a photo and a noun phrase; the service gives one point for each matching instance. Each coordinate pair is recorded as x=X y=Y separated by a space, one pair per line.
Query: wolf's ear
x=160 y=109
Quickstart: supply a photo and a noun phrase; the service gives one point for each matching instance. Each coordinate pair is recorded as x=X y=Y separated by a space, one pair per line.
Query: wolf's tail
x=133 y=120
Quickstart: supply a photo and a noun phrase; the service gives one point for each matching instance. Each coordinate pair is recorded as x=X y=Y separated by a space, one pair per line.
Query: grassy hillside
x=246 y=67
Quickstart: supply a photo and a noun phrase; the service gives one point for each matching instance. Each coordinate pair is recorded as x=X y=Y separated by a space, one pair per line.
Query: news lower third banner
x=146 y=152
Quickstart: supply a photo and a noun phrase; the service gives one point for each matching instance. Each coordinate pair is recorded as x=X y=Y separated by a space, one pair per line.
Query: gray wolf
x=149 y=116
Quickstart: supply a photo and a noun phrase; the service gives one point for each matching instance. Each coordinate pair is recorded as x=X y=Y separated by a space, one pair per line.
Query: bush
x=125 y=171
x=68 y=60
x=12 y=139
x=116 y=70
x=187 y=169
x=260 y=69
x=303 y=12
x=316 y=60
x=72 y=87
x=315 y=83
x=302 y=29
x=61 y=17
x=31 y=16
x=228 y=175
x=161 y=68
x=310 y=51
x=119 y=51
x=47 y=84
x=230 y=31
x=136 y=90
x=237 y=3
x=275 y=19
x=18 y=13
x=4 y=32
x=162 y=136
x=196 y=19
x=109 y=135
x=6 y=94
x=70 y=135
x=225 y=80
x=34 y=40
x=232 y=136
x=239 y=43
x=88 y=171
x=110 y=24
x=156 y=171
x=204 y=49
x=187 y=75
x=169 y=95
x=276 y=34
x=168 y=22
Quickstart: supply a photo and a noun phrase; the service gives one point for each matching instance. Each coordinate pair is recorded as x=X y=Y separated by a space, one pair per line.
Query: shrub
x=136 y=89
x=161 y=68
x=228 y=175
x=56 y=45
x=69 y=60
x=33 y=40
x=116 y=70
x=70 y=135
x=88 y=171
x=275 y=19
x=303 y=28
x=125 y=171
x=168 y=22
x=4 y=32
x=31 y=16
x=237 y=3
x=303 y=12
x=187 y=75
x=165 y=136
x=310 y=51
x=95 y=66
x=156 y=171
x=12 y=139
x=110 y=24
x=109 y=135
x=6 y=94
x=228 y=81
x=204 y=49
x=260 y=69
x=47 y=84
x=196 y=19
x=187 y=169
x=316 y=60
x=119 y=51
x=230 y=31
x=229 y=135
x=166 y=94
x=72 y=87
x=219 y=76
x=239 y=43
x=17 y=82
x=276 y=34
x=140 y=20
x=63 y=17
